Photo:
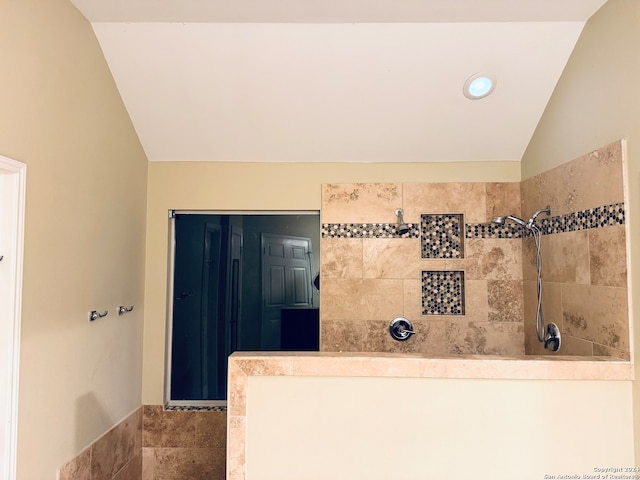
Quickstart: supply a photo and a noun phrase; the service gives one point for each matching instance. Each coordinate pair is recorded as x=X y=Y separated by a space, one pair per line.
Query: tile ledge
x=376 y=364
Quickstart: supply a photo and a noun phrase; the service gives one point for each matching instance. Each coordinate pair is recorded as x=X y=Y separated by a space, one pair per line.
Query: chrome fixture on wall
x=548 y=335
x=94 y=315
x=122 y=309
x=401 y=329
x=402 y=227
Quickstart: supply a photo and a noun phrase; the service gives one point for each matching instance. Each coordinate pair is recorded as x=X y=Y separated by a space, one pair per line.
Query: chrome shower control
x=401 y=329
x=552 y=337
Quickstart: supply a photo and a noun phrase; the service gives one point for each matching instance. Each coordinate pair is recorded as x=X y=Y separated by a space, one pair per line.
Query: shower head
x=402 y=227
x=503 y=219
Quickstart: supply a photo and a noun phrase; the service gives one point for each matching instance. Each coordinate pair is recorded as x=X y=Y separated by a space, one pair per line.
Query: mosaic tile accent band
x=196 y=408
x=367 y=230
x=597 y=217
x=441 y=236
x=442 y=292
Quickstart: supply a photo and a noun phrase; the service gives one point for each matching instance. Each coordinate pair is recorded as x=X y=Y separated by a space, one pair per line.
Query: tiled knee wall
x=156 y=444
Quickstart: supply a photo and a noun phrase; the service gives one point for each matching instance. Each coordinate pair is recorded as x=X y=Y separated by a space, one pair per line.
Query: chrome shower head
x=503 y=219
x=402 y=227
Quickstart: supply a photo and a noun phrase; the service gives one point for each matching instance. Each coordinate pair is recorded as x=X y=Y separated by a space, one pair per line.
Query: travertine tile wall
x=368 y=281
x=156 y=444
x=177 y=445
x=370 y=274
x=114 y=456
x=584 y=261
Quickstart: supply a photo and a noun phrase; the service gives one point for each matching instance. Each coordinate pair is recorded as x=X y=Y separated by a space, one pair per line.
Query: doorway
x=12 y=208
x=238 y=281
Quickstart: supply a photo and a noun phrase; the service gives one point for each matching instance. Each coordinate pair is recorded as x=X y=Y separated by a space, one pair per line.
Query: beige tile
x=551 y=305
x=340 y=258
x=608 y=256
x=366 y=299
x=148 y=463
x=591 y=180
x=132 y=470
x=236 y=393
x=476 y=303
x=486 y=338
x=538 y=192
x=361 y=202
x=565 y=257
x=571 y=345
x=412 y=299
x=428 y=340
x=468 y=199
x=391 y=258
x=503 y=199
x=168 y=428
x=342 y=335
x=211 y=429
x=505 y=301
x=191 y=463
x=78 y=468
x=492 y=259
x=597 y=314
x=236 y=444
x=116 y=448
x=604 y=351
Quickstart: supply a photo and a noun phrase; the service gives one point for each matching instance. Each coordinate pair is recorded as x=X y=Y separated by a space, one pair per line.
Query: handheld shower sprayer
x=548 y=335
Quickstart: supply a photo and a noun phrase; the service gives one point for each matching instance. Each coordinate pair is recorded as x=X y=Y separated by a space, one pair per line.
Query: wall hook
x=122 y=309
x=94 y=315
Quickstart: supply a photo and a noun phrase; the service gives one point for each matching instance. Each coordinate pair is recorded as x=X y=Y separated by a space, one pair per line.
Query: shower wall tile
x=361 y=202
x=361 y=299
x=191 y=463
x=583 y=254
x=597 y=314
x=476 y=299
x=565 y=257
x=538 y=192
x=341 y=258
x=505 y=301
x=485 y=338
x=391 y=258
x=604 y=351
x=493 y=259
x=468 y=199
x=342 y=335
x=412 y=301
x=591 y=180
x=503 y=199
x=607 y=256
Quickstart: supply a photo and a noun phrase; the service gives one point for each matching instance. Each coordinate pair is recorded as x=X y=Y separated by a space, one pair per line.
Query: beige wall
x=596 y=102
x=60 y=113
x=422 y=428
x=249 y=186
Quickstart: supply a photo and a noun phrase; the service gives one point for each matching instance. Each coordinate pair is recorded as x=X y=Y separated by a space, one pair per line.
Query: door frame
x=12 y=207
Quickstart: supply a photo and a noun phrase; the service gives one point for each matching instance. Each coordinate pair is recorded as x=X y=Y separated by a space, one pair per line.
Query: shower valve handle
x=401 y=329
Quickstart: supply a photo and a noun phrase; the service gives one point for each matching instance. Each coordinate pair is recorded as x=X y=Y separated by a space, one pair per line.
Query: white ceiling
x=334 y=80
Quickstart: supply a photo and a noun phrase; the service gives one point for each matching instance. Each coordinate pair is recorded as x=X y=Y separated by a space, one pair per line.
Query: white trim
x=14 y=178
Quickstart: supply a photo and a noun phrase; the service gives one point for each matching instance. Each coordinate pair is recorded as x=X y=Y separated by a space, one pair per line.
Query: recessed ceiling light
x=479 y=86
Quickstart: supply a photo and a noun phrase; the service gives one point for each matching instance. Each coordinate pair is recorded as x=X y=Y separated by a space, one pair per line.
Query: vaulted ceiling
x=334 y=80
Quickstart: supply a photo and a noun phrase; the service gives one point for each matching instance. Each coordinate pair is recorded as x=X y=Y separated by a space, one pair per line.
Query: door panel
x=286 y=282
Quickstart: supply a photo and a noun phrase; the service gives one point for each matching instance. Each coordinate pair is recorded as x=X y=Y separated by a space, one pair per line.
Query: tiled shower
x=467 y=285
